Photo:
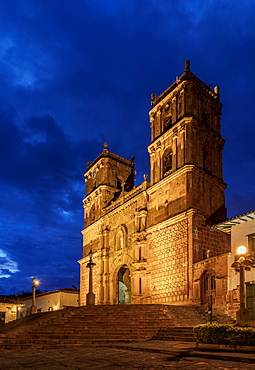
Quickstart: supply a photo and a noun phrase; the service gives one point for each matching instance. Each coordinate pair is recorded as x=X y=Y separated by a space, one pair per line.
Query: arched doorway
x=208 y=287
x=124 y=285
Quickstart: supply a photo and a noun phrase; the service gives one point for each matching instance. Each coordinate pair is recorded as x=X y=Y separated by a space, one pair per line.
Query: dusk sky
x=75 y=74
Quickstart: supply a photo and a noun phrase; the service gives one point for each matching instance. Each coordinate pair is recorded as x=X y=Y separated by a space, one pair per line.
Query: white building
x=242 y=231
x=52 y=301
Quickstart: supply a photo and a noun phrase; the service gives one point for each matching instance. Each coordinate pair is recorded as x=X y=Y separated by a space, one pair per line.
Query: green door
x=250 y=299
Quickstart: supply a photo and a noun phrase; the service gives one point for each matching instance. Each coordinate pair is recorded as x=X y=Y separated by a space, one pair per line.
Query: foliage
x=211 y=333
x=224 y=334
x=23 y=294
x=242 y=336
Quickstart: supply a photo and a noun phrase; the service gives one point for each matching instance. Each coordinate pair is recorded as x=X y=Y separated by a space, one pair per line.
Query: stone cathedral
x=147 y=241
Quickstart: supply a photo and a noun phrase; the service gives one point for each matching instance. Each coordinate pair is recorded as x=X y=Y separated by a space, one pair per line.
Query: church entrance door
x=124 y=285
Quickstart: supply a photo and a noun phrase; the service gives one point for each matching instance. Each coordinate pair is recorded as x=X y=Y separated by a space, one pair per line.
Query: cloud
x=7 y=266
x=43 y=186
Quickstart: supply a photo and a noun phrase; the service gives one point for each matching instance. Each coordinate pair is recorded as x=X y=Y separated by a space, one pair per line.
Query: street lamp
x=35 y=282
x=242 y=264
x=90 y=297
x=18 y=312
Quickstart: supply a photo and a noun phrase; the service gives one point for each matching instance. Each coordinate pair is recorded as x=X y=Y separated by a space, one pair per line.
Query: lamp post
x=18 y=312
x=243 y=263
x=90 y=297
x=35 y=282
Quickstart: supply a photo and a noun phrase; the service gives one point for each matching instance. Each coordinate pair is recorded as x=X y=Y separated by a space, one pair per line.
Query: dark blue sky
x=74 y=74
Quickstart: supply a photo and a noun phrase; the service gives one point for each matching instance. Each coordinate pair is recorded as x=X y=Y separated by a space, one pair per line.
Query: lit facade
x=9 y=310
x=242 y=232
x=147 y=239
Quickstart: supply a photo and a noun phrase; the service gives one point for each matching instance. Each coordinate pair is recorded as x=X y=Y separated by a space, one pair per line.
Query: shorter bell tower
x=106 y=178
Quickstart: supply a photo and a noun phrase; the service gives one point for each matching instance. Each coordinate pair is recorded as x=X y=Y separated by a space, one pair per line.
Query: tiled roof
x=228 y=224
x=65 y=290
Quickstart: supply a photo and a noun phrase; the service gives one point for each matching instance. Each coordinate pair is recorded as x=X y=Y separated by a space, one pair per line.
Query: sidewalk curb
x=201 y=353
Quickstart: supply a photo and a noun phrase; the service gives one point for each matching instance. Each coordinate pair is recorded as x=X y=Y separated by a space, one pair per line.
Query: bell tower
x=186 y=145
x=106 y=178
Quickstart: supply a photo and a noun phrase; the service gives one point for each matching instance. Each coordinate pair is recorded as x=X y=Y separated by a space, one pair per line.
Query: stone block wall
x=168 y=263
x=208 y=242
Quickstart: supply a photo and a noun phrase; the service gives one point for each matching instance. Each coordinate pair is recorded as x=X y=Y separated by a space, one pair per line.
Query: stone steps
x=17 y=346
x=46 y=340
x=93 y=330
x=98 y=324
x=176 y=333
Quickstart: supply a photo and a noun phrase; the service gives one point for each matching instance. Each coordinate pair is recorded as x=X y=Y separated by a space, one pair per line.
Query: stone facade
x=147 y=241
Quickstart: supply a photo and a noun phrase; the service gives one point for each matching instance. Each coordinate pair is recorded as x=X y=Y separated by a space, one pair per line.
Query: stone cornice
x=164 y=97
x=172 y=176
x=116 y=207
x=98 y=191
x=184 y=169
x=125 y=197
x=177 y=85
x=107 y=154
x=170 y=221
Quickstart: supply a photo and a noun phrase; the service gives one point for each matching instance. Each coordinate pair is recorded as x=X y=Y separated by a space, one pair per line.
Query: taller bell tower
x=186 y=146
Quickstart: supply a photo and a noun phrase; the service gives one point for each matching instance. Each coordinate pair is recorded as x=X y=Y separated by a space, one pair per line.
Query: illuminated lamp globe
x=241 y=250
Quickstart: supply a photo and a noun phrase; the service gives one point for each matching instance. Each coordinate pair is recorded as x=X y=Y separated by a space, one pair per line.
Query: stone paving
x=186 y=349
x=147 y=355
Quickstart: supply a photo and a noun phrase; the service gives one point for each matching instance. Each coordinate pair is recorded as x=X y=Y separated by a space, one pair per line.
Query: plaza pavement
x=152 y=354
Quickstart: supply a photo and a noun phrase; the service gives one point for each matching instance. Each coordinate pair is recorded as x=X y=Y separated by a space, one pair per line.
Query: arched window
x=119 y=182
x=168 y=116
x=167 y=161
x=207 y=159
x=168 y=123
x=92 y=212
x=205 y=117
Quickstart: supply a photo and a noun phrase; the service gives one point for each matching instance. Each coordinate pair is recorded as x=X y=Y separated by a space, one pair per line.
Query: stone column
x=106 y=268
x=182 y=146
x=175 y=150
x=90 y=297
x=33 y=307
x=101 y=272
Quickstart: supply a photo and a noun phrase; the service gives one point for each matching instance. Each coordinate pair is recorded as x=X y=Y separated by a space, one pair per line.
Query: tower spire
x=187 y=65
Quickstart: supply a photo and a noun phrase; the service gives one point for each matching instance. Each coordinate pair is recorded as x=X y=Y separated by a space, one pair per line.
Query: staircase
x=184 y=333
x=82 y=326
x=222 y=318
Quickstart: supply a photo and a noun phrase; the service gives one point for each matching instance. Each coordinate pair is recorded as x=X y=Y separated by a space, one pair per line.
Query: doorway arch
x=124 y=285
